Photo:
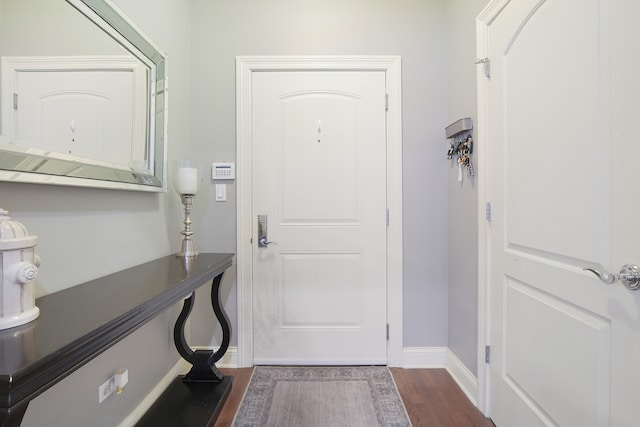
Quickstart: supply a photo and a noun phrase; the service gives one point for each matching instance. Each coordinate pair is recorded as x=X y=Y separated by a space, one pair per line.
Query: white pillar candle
x=187 y=180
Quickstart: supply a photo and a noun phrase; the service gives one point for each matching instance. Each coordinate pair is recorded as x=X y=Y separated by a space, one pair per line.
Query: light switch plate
x=221 y=192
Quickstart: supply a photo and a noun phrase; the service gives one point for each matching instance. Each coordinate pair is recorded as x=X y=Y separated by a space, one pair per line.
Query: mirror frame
x=73 y=171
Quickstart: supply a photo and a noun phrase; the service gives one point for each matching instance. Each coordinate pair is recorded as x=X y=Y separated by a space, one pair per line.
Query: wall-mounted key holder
x=461 y=144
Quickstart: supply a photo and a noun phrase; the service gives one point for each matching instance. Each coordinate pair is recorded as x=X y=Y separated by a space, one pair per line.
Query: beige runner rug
x=321 y=396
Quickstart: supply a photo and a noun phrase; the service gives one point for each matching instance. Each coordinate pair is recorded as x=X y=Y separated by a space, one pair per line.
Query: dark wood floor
x=431 y=397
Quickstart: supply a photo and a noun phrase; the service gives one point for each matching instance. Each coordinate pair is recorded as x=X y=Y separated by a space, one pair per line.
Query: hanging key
x=466 y=153
x=450 y=153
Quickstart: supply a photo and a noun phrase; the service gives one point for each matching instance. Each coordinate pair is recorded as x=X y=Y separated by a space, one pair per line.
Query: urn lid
x=14 y=235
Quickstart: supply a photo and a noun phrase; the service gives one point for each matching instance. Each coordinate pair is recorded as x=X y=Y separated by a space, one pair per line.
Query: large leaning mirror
x=82 y=97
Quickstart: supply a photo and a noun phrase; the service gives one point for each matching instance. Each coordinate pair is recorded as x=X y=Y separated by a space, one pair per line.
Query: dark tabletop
x=78 y=323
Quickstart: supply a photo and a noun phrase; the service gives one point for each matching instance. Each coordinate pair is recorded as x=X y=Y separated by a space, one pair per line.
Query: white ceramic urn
x=19 y=269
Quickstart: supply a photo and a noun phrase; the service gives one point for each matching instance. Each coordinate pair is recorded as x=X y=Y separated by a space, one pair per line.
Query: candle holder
x=188 y=174
x=188 y=247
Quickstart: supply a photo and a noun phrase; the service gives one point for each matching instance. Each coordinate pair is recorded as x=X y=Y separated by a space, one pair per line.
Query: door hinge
x=488 y=211
x=386 y=102
x=387 y=332
x=486 y=66
x=15 y=101
x=487 y=354
x=387 y=219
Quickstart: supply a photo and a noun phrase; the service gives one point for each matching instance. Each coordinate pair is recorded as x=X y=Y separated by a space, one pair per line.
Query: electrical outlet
x=115 y=383
x=105 y=390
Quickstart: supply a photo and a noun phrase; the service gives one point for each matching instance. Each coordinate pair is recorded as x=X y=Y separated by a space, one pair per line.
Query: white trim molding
x=442 y=358
x=462 y=376
x=180 y=368
x=245 y=67
x=229 y=360
x=484 y=19
x=424 y=357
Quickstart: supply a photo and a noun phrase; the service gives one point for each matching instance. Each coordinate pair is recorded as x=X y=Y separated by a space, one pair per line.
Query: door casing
x=483 y=21
x=245 y=67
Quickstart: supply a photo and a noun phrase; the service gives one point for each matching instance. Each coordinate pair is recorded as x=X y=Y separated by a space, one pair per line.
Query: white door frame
x=484 y=19
x=245 y=67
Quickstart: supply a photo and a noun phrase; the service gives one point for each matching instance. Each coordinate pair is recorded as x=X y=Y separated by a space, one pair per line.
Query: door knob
x=263 y=239
x=629 y=276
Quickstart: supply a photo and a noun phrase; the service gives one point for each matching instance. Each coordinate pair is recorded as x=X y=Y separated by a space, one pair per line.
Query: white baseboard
x=442 y=358
x=180 y=368
x=424 y=357
x=229 y=360
x=462 y=376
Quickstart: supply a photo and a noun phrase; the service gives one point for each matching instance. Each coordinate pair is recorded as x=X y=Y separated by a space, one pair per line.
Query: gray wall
x=56 y=29
x=414 y=29
x=87 y=233
x=463 y=197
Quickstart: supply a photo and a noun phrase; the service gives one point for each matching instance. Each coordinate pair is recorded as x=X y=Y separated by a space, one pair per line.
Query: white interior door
x=319 y=161
x=562 y=177
x=75 y=112
x=89 y=107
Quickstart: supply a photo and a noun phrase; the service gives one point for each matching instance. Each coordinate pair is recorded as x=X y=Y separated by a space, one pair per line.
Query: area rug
x=321 y=396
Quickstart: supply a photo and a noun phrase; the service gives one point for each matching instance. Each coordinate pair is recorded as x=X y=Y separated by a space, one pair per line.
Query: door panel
x=574 y=362
x=76 y=112
x=319 y=161
x=553 y=121
x=324 y=152
x=310 y=282
x=562 y=343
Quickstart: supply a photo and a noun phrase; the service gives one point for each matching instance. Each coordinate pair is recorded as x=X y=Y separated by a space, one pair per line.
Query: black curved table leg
x=204 y=368
x=197 y=398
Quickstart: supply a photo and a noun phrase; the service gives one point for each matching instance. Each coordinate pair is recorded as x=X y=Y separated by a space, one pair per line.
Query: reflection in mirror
x=82 y=98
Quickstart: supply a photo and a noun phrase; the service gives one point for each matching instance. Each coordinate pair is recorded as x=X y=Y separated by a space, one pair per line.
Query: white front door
x=79 y=119
x=87 y=107
x=563 y=149
x=319 y=179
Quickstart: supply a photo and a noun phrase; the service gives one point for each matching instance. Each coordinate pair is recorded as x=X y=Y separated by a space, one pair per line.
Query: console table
x=79 y=323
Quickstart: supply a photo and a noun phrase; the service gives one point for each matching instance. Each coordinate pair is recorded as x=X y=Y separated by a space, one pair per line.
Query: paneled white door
x=563 y=149
x=83 y=113
x=319 y=179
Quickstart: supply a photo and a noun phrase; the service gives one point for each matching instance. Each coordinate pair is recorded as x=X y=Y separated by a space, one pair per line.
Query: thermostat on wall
x=223 y=171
